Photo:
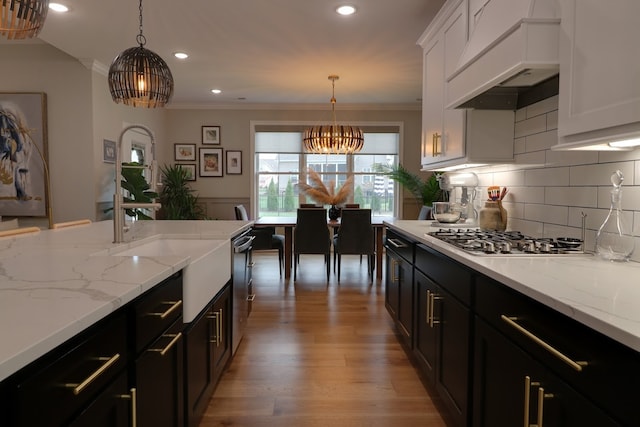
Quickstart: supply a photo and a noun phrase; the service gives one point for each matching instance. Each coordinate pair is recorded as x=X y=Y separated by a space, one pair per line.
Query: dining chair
x=309 y=206
x=311 y=236
x=355 y=237
x=352 y=206
x=265 y=237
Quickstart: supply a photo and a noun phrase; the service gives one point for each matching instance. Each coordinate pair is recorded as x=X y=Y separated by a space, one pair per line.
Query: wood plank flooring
x=318 y=354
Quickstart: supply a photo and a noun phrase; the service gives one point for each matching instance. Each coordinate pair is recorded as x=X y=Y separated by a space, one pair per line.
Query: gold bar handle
x=512 y=321
x=394 y=264
x=175 y=339
x=214 y=316
x=220 y=327
x=109 y=361
x=174 y=306
x=133 y=397
x=435 y=150
x=433 y=298
x=428 y=310
x=527 y=396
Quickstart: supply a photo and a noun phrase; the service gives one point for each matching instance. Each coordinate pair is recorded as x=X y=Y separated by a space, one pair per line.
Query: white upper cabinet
x=455 y=137
x=599 y=98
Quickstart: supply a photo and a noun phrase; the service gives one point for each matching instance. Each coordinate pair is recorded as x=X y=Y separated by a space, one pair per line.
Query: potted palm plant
x=176 y=197
x=425 y=191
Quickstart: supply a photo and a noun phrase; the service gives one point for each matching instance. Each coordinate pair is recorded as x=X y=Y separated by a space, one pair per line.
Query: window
x=280 y=164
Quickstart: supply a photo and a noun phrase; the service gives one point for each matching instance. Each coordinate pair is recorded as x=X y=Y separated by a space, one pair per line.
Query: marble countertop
x=56 y=283
x=600 y=294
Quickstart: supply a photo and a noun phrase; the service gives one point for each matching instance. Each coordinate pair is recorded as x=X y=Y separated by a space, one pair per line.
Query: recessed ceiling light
x=346 y=10
x=216 y=91
x=181 y=55
x=57 y=7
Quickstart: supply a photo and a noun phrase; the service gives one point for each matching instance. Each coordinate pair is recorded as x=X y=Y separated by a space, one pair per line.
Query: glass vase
x=614 y=241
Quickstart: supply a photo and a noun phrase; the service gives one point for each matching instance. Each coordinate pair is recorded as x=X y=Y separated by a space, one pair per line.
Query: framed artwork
x=108 y=151
x=184 y=152
x=191 y=171
x=211 y=135
x=23 y=154
x=234 y=162
x=210 y=162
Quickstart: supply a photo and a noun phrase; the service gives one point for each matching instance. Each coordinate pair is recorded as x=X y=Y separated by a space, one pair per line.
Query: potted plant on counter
x=176 y=197
x=425 y=191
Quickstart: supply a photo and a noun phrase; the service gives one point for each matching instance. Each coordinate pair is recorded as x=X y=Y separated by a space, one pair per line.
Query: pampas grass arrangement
x=321 y=194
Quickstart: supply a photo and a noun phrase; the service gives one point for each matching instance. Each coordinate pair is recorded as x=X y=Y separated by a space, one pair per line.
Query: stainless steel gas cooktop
x=508 y=243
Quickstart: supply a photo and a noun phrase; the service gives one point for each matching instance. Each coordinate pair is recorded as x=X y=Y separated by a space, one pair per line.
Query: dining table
x=289 y=222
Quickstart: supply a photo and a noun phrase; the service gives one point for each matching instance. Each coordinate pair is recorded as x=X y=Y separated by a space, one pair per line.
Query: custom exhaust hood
x=512 y=49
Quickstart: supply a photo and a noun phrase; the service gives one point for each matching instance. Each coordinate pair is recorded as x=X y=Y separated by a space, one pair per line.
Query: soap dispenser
x=614 y=241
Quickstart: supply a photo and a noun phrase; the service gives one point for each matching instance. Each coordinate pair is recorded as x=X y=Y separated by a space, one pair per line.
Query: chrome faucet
x=119 y=206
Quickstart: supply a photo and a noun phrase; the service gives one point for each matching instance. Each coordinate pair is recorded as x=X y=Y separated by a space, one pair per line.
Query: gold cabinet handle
x=541 y=397
x=132 y=397
x=163 y=351
x=428 y=308
x=512 y=321
x=435 y=149
x=220 y=328
x=174 y=306
x=394 y=277
x=527 y=396
x=432 y=301
x=214 y=316
x=109 y=361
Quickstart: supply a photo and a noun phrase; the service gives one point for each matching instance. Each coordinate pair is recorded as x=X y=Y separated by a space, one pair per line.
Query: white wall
x=549 y=190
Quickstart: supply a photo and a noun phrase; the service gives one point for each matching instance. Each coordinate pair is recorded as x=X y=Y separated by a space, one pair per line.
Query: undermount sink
x=208 y=270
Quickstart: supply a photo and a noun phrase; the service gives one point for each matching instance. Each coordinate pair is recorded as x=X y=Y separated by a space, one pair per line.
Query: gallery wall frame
x=108 y=151
x=211 y=135
x=234 y=162
x=24 y=154
x=184 y=152
x=210 y=164
x=191 y=170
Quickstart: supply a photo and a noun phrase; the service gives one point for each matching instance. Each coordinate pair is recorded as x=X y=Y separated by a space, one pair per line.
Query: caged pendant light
x=21 y=19
x=140 y=78
x=331 y=138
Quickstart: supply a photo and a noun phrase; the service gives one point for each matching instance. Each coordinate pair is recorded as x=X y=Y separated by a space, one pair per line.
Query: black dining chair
x=265 y=237
x=311 y=236
x=355 y=237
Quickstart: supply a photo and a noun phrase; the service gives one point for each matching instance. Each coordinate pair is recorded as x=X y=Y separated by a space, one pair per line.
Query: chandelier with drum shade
x=333 y=138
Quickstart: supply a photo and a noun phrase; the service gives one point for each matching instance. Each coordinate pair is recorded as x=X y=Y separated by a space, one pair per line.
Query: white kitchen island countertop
x=601 y=294
x=56 y=283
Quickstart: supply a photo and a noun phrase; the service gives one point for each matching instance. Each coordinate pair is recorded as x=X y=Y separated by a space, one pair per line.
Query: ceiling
x=260 y=51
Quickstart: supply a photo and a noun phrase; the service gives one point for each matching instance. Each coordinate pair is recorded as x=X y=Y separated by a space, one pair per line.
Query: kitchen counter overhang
x=57 y=283
x=602 y=295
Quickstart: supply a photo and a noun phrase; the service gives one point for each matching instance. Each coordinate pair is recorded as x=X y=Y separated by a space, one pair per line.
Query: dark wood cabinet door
x=426 y=333
x=222 y=341
x=199 y=339
x=392 y=278
x=405 y=301
x=510 y=386
x=113 y=407
x=159 y=380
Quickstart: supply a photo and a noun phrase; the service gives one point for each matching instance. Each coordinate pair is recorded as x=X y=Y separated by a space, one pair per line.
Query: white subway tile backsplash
x=509 y=178
x=542 y=107
x=572 y=196
x=618 y=156
x=521 y=114
x=546 y=213
x=552 y=120
x=630 y=199
x=569 y=158
x=526 y=195
x=547 y=177
x=530 y=126
x=599 y=174
x=541 y=141
x=528 y=160
x=519 y=145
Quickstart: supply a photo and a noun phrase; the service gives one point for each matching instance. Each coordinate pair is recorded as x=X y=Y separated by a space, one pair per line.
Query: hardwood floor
x=318 y=354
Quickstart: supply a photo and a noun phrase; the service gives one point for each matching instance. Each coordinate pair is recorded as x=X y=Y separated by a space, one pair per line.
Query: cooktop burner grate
x=508 y=243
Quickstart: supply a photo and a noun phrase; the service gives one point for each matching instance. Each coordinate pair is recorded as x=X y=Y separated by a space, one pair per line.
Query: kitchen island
x=57 y=283
x=550 y=337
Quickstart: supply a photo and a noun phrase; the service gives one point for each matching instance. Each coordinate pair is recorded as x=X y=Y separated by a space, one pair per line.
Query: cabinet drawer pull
x=397 y=243
x=527 y=396
x=251 y=297
x=220 y=327
x=512 y=321
x=134 y=404
x=435 y=150
x=394 y=277
x=108 y=362
x=163 y=351
x=174 y=306
x=214 y=316
x=431 y=308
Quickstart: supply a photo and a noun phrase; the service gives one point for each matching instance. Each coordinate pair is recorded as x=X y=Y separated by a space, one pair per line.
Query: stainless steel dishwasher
x=241 y=263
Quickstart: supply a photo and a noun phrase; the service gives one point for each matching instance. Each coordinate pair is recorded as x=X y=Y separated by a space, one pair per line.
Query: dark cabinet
x=208 y=348
x=399 y=284
x=512 y=389
x=112 y=407
x=158 y=370
x=443 y=330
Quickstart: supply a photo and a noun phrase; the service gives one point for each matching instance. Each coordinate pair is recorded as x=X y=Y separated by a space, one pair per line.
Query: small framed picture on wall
x=234 y=162
x=211 y=135
x=184 y=152
x=190 y=169
x=210 y=162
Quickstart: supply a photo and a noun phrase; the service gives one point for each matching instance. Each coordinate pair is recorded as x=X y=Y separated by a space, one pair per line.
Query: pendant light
x=21 y=19
x=140 y=78
x=331 y=138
